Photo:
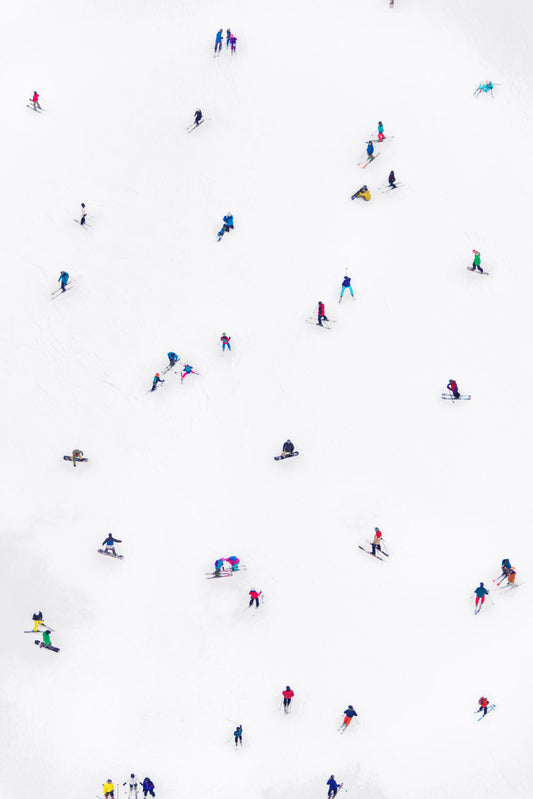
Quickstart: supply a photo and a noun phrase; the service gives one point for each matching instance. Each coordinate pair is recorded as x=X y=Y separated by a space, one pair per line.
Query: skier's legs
x=351 y=290
x=342 y=291
x=250 y=603
x=477 y=601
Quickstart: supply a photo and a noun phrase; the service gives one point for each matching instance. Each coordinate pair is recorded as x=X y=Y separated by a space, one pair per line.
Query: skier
x=197 y=117
x=333 y=787
x=77 y=455
x=219 y=565
x=511 y=576
x=228 y=37
x=172 y=359
x=376 y=543
x=109 y=789
x=483 y=705
x=370 y=151
x=218 y=42
x=346 y=285
x=35 y=101
x=155 y=381
x=321 y=313
x=287 y=694
x=238 y=735
x=349 y=714
x=83 y=219
x=381 y=134
x=233 y=42
x=108 y=543
x=480 y=592
x=148 y=786
x=132 y=786
x=287 y=449
x=234 y=561
x=63 y=279
x=452 y=386
x=363 y=193
x=187 y=370
x=37 y=621
x=476 y=263
x=226 y=226
x=392 y=180
x=488 y=86
x=254 y=597
x=225 y=342
x=506 y=567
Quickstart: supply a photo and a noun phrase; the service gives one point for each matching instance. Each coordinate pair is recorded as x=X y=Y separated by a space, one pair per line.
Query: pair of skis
x=59 y=291
x=375 y=555
x=194 y=126
x=451 y=397
x=224 y=573
x=490 y=708
x=368 y=161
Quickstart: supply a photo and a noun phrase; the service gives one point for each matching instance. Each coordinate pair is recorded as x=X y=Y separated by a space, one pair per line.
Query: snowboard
x=78 y=460
x=110 y=554
x=286 y=458
x=43 y=646
x=451 y=397
x=471 y=269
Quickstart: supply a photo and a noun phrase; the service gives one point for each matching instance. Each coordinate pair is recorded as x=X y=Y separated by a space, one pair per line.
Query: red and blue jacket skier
x=480 y=592
x=225 y=342
x=234 y=561
x=155 y=381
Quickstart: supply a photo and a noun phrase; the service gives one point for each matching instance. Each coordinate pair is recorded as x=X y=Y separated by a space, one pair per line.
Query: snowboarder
x=392 y=180
x=363 y=193
x=109 y=788
x=155 y=381
x=172 y=359
x=148 y=786
x=321 y=313
x=83 y=219
x=333 y=787
x=233 y=561
x=225 y=342
x=287 y=694
x=480 y=592
x=77 y=455
x=254 y=597
x=233 y=42
x=35 y=102
x=476 y=263
x=381 y=134
x=37 y=621
x=346 y=284
x=349 y=714
x=197 y=117
x=226 y=226
x=452 y=386
x=376 y=543
x=228 y=37
x=238 y=735
x=287 y=449
x=218 y=42
x=109 y=542
x=63 y=279
x=46 y=639
x=483 y=705
x=187 y=370
x=132 y=784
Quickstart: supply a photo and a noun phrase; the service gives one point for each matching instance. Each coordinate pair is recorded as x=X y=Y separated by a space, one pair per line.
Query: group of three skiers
x=231 y=41
x=133 y=784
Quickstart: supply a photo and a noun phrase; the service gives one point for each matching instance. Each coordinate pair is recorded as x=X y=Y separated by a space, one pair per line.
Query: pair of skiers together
x=187 y=370
x=364 y=192
x=233 y=560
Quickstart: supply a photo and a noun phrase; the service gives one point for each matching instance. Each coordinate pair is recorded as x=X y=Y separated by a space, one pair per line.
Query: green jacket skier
x=46 y=638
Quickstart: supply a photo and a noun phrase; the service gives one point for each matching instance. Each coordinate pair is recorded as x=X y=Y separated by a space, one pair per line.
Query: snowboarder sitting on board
x=322 y=313
x=225 y=342
x=346 y=284
x=349 y=714
x=63 y=279
x=109 y=789
x=363 y=193
x=476 y=263
x=480 y=592
x=238 y=735
x=77 y=455
x=392 y=180
x=287 y=694
x=227 y=225
x=35 y=101
x=108 y=544
x=452 y=386
x=37 y=620
x=148 y=786
x=483 y=705
x=155 y=381
x=287 y=449
x=333 y=787
x=376 y=543
x=254 y=597
x=197 y=117
x=172 y=358
x=233 y=561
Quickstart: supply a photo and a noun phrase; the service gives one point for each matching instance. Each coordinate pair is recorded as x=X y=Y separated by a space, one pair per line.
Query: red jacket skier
x=254 y=597
x=287 y=694
x=322 y=313
x=452 y=386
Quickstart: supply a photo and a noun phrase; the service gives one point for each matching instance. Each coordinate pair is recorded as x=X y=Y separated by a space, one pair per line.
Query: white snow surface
x=158 y=664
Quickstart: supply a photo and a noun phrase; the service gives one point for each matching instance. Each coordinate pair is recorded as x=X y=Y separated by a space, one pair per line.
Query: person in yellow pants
x=37 y=620
x=363 y=193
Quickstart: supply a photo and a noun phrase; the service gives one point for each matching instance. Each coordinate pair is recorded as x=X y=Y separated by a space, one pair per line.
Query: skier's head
x=132 y=775
x=83 y=205
x=481 y=585
x=48 y=632
x=350 y=707
x=380 y=122
x=157 y=374
x=288 y=688
x=223 y=334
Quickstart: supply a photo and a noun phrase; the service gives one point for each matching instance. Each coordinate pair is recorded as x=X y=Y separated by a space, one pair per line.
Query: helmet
x=481 y=585
x=288 y=688
x=223 y=334
x=132 y=775
x=48 y=631
x=350 y=707
x=380 y=122
x=157 y=374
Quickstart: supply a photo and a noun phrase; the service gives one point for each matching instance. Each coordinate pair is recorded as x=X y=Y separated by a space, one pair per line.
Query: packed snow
x=157 y=663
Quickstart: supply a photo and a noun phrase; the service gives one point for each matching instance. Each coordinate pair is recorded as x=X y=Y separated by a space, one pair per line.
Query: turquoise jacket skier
x=63 y=279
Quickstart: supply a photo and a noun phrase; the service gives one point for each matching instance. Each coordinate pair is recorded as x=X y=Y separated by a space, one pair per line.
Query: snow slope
x=157 y=664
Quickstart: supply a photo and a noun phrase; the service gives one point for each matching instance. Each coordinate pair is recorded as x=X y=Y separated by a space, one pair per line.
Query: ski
x=58 y=294
x=369 y=552
x=169 y=367
x=43 y=646
x=369 y=161
x=385 y=189
x=38 y=110
x=382 y=551
x=193 y=127
x=285 y=457
x=453 y=399
x=471 y=269
x=110 y=554
x=58 y=290
x=489 y=709
x=213 y=576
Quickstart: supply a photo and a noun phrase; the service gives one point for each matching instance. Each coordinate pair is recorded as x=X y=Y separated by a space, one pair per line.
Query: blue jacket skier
x=197 y=117
x=333 y=787
x=155 y=381
x=238 y=735
x=219 y=563
x=370 y=151
x=218 y=42
x=480 y=592
x=234 y=561
x=346 y=284
x=63 y=279
x=226 y=226
x=172 y=358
